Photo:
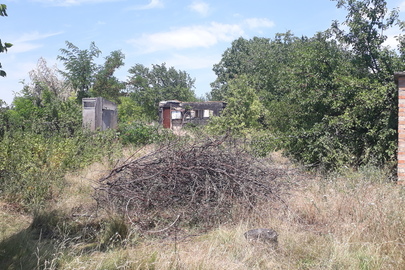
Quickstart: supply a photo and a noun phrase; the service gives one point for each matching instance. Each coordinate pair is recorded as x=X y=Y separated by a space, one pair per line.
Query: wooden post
x=400 y=80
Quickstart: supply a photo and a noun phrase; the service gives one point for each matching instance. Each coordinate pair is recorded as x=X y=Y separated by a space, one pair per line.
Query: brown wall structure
x=174 y=114
x=400 y=80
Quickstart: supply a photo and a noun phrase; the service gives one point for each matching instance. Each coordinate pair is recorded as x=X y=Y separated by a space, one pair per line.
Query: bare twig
x=168 y=227
x=203 y=180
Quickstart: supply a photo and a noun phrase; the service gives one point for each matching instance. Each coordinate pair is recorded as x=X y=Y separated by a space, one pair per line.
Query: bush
x=139 y=133
x=32 y=167
x=262 y=143
x=41 y=138
x=46 y=115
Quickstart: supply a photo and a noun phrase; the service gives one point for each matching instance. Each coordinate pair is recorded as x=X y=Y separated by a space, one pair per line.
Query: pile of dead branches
x=202 y=182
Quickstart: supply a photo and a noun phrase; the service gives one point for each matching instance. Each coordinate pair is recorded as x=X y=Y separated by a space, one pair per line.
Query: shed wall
x=99 y=113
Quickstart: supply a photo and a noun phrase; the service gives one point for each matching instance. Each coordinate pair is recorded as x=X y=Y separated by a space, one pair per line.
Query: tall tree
x=331 y=98
x=263 y=60
x=3 y=46
x=150 y=86
x=364 y=31
x=244 y=57
x=79 y=67
x=106 y=85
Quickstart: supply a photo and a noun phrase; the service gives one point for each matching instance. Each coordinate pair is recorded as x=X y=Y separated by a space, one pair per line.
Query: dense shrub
x=32 y=166
x=330 y=98
x=263 y=143
x=140 y=133
x=41 y=139
x=46 y=115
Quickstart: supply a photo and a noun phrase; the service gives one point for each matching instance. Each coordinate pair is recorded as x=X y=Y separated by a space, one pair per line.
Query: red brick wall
x=400 y=78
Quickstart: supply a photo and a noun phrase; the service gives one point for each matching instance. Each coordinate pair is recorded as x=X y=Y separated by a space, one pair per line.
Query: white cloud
x=26 y=43
x=254 y=23
x=24 y=47
x=35 y=36
x=200 y=7
x=402 y=6
x=188 y=37
x=151 y=5
x=197 y=36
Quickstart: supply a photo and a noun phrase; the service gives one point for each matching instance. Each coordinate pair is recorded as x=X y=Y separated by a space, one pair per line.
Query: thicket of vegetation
x=41 y=133
x=328 y=101
x=42 y=139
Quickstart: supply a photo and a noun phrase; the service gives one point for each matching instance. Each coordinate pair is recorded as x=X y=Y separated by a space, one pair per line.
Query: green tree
x=106 y=85
x=337 y=111
x=367 y=21
x=3 y=46
x=46 y=114
x=80 y=68
x=331 y=98
x=244 y=57
x=244 y=112
x=150 y=86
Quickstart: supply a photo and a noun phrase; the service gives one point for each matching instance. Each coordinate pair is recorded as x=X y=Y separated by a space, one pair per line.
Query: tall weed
x=32 y=167
x=140 y=133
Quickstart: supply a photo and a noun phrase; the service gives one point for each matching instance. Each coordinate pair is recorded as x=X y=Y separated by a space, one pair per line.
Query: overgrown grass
x=12 y=220
x=32 y=166
x=140 y=133
x=351 y=220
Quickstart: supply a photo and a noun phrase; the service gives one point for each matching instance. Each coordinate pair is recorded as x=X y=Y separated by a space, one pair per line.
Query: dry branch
x=201 y=181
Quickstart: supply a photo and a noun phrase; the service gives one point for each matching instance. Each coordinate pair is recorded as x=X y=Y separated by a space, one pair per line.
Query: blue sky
x=189 y=35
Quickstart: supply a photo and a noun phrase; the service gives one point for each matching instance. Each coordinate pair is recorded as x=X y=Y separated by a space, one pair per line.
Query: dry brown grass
x=353 y=220
x=349 y=221
x=223 y=248
x=12 y=220
x=77 y=196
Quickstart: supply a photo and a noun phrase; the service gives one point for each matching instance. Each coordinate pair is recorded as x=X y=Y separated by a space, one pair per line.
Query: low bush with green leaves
x=40 y=140
x=140 y=133
x=32 y=167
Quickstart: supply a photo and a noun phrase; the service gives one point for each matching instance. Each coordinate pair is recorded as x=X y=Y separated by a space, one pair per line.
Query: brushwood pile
x=201 y=182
